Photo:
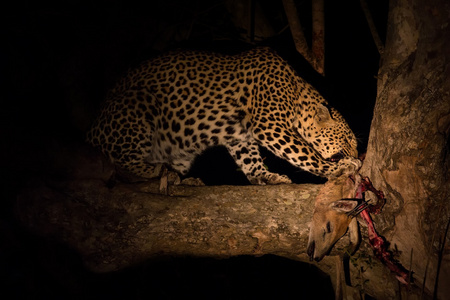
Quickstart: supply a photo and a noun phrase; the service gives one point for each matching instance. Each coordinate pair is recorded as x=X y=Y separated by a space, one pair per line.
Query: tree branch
x=373 y=29
x=296 y=29
x=318 y=37
x=122 y=226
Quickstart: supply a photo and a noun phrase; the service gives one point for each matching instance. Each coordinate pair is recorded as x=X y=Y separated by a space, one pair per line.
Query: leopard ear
x=322 y=114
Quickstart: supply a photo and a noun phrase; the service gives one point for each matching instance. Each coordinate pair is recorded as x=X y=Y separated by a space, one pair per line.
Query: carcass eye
x=328 y=227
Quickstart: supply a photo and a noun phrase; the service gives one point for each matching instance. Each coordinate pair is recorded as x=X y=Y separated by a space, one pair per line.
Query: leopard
x=171 y=108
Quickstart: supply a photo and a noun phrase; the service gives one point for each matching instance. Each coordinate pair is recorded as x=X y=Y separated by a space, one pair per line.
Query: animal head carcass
x=332 y=216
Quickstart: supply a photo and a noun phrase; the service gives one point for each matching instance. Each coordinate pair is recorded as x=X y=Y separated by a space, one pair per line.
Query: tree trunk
x=408 y=151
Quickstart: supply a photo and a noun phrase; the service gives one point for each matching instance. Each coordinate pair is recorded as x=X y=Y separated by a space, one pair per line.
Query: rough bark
x=318 y=36
x=114 y=228
x=408 y=155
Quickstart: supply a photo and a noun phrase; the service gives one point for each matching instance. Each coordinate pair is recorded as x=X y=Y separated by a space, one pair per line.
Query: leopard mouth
x=336 y=157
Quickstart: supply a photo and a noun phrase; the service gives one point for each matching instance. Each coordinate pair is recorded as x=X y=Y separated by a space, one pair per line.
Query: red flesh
x=376 y=241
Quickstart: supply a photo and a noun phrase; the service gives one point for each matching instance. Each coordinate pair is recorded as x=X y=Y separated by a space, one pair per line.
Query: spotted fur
x=171 y=108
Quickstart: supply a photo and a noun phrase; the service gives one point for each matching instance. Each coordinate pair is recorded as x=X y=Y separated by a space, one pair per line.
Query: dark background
x=58 y=60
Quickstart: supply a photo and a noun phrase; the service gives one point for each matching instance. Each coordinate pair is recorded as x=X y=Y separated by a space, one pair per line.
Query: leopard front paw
x=270 y=178
x=348 y=166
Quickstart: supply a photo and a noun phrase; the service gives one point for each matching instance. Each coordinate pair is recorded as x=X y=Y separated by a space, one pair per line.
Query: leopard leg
x=182 y=164
x=293 y=148
x=134 y=163
x=247 y=157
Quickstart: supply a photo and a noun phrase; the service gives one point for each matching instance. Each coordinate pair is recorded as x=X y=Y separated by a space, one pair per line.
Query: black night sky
x=57 y=61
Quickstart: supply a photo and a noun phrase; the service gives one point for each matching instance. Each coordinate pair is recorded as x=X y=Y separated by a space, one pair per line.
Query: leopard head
x=328 y=132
